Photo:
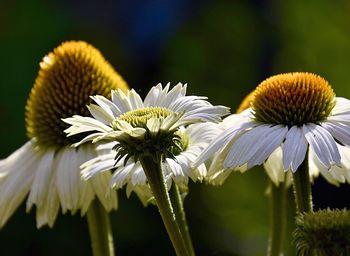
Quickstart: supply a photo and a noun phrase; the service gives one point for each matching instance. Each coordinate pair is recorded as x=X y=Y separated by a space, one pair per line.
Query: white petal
x=138 y=177
x=21 y=167
x=43 y=177
x=153 y=95
x=121 y=175
x=153 y=124
x=135 y=99
x=174 y=168
x=174 y=93
x=274 y=166
x=91 y=137
x=84 y=124
x=47 y=212
x=221 y=141
x=87 y=194
x=323 y=144
x=121 y=101
x=68 y=178
x=341 y=107
x=272 y=140
x=44 y=191
x=255 y=146
x=338 y=130
x=97 y=165
x=315 y=164
x=294 y=149
x=107 y=105
x=105 y=194
x=98 y=113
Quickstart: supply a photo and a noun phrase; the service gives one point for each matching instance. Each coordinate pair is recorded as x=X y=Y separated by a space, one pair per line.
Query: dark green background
x=222 y=49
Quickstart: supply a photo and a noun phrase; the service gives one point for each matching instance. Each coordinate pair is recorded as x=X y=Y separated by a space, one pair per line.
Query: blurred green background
x=222 y=49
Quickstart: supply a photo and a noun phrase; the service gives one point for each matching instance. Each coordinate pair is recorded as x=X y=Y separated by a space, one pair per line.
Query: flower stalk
x=100 y=230
x=177 y=203
x=154 y=173
x=302 y=187
x=278 y=203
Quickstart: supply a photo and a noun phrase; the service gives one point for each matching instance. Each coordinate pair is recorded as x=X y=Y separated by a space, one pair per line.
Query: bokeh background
x=222 y=49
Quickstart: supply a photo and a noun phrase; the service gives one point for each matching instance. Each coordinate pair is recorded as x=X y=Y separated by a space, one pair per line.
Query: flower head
x=47 y=167
x=291 y=116
x=324 y=232
x=161 y=126
x=192 y=140
x=66 y=79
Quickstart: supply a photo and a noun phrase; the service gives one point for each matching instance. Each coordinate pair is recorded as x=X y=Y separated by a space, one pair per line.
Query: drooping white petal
x=18 y=180
x=43 y=177
x=43 y=192
x=253 y=146
x=87 y=194
x=271 y=141
x=142 y=191
x=345 y=158
x=47 y=212
x=62 y=179
x=294 y=149
x=340 y=118
x=338 y=130
x=315 y=166
x=105 y=194
x=342 y=107
x=340 y=174
x=322 y=143
x=97 y=165
x=221 y=141
x=274 y=166
x=68 y=179
x=138 y=177
x=121 y=175
x=173 y=167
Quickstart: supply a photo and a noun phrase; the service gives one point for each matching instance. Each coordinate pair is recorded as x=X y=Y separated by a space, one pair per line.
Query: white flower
x=47 y=167
x=157 y=126
x=292 y=116
x=128 y=116
x=52 y=179
x=194 y=137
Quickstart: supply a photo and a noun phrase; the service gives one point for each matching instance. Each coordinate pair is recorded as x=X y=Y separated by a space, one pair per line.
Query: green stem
x=155 y=177
x=278 y=202
x=100 y=230
x=176 y=201
x=302 y=187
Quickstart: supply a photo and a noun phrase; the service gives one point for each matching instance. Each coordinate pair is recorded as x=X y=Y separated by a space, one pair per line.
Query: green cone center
x=139 y=117
x=293 y=99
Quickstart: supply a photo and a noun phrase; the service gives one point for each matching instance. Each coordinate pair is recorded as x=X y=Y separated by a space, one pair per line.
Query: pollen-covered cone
x=46 y=168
